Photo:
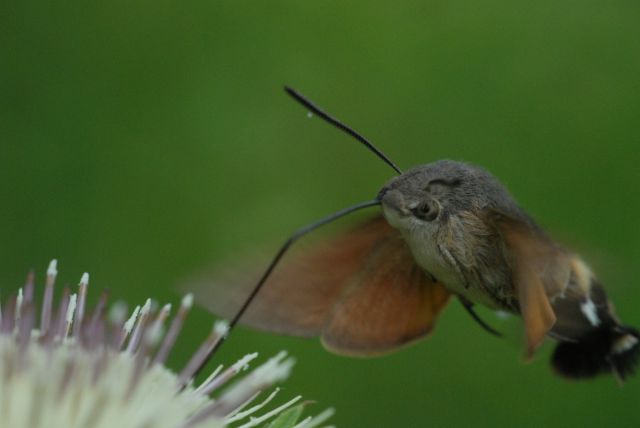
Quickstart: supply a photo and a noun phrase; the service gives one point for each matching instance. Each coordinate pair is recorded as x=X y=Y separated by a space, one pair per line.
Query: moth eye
x=427 y=210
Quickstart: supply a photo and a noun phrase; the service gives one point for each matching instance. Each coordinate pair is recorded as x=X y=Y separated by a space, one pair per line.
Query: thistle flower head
x=63 y=365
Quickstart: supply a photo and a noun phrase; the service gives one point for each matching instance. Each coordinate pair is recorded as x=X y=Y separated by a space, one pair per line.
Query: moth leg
x=469 y=307
x=455 y=264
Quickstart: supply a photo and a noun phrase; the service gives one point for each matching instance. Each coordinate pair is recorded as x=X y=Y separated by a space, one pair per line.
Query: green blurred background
x=146 y=140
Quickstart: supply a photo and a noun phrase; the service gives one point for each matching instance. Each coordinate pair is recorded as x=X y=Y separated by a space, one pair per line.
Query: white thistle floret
x=79 y=371
x=52 y=270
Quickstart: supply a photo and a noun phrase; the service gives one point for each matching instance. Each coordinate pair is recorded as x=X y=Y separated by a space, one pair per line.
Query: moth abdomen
x=611 y=349
x=592 y=341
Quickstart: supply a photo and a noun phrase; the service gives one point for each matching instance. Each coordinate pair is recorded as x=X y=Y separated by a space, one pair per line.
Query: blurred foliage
x=288 y=418
x=143 y=141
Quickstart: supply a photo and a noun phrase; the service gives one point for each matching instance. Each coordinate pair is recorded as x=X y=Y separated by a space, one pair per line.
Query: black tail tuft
x=612 y=350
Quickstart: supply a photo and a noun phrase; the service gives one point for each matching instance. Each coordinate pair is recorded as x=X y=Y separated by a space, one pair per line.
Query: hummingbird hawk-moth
x=446 y=229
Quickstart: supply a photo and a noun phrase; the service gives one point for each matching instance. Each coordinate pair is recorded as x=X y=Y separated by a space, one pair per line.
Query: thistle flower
x=106 y=369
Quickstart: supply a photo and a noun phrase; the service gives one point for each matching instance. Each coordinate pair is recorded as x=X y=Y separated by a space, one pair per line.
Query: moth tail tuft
x=614 y=349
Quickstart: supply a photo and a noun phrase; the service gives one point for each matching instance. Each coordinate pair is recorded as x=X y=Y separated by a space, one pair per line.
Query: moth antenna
x=283 y=249
x=335 y=122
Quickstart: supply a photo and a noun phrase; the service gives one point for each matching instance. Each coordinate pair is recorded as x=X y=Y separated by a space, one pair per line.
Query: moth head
x=428 y=195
